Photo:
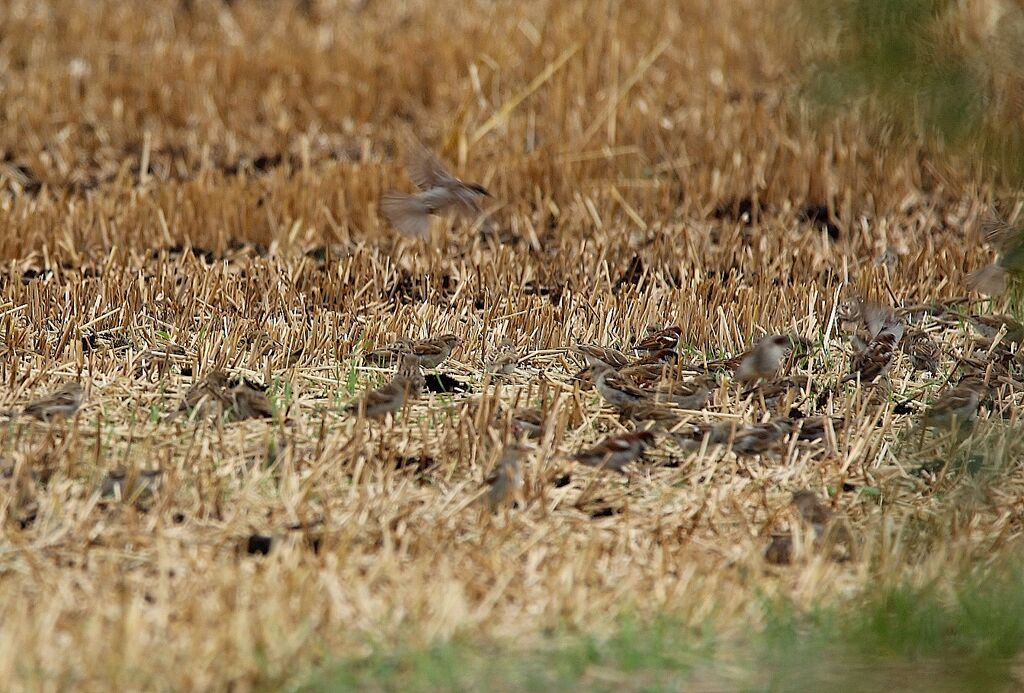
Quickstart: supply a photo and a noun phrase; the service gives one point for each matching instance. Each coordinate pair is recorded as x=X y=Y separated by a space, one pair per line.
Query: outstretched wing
x=425 y=169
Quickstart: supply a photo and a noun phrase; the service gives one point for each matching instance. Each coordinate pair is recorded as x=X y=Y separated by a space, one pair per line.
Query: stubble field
x=193 y=187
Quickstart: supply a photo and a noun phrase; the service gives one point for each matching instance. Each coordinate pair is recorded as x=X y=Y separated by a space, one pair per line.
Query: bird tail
x=407 y=213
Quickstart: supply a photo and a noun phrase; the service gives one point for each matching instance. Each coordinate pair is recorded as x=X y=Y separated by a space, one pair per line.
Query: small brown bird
x=876 y=357
x=777 y=393
x=693 y=394
x=755 y=439
x=504 y=359
x=691 y=439
x=957 y=406
x=208 y=396
x=763 y=361
x=529 y=421
x=616 y=388
x=405 y=386
x=615 y=452
x=660 y=340
x=56 y=405
x=816 y=427
x=248 y=402
x=923 y=351
x=812 y=511
x=506 y=480
x=431 y=353
x=607 y=356
x=650 y=412
x=780 y=549
x=439 y=192
x=990 y=325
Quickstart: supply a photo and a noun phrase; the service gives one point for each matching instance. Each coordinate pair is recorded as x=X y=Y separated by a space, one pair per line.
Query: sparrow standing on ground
x=957 y=406
x=406 y=385
x=615 y=452
x=249 y=403
x=763 y=361
x=57 y=405
x=667 y=338
x=616 y=388
x=687 y=395
x=874 y=360
x=596 y=355
x=439 y=192
x=506 y=480
x=431 y=353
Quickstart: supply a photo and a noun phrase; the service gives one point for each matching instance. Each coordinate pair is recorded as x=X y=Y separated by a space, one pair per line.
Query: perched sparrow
x=763 y=361
x=686 y=395
x=812 y=511
x=815 y=427
x=652 y=367
x=56 y=405
x=392 y=397
x=777 y=393
x=780 y=549
x=248 y=402
x=990 y=325
x=505 y=359
x=209 y=394
x=958 y=405
x=755 y=439
x=385 y=356
x=616 y=389
x=692 y=438
x=439 y=191
x=666 y=339
x=431 y=353
x=876 y=357
x=615 y=452
x=923 y=351
x=657 y=414
x=506 y=479
x=529 y=421
x=607 y=356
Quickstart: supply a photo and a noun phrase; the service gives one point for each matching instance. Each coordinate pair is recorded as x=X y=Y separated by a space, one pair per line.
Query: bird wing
x=407 y=213
x=425 y=169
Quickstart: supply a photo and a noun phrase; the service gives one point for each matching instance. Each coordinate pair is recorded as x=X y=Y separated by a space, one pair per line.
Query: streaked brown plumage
x=615 y=452
x=405 y=386
x=439 y=192
x=595 y=355
x=665 y=339
x=249 y=403
x=60 y=404
x=616 y=388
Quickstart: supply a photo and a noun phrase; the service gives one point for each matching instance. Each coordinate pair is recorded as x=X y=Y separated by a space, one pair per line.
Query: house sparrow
x=776 y=393
x=958 y=405
x=505 y=358
x=666 y=339
x=780 y=549
x=248 y=402
x=657 y=414
x=755 y=439
x=506 y=480
x=923 y=351
x=652 y=367
x=385 y=356
x=390 y=398
x=56 y=405
x=607 y=356
x=990 y=325
x=439 y=192
x=210 y=393
x=529 y=421
x=431 y=353
x=615 y=452
x=763 y=361
x=686 y=395
x=815 y=427
x=875 y=359
x=691 y=439
x=812 y=511
x=616 y=389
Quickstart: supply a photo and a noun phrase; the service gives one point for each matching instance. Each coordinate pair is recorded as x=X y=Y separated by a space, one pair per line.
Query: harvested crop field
x=191 y=228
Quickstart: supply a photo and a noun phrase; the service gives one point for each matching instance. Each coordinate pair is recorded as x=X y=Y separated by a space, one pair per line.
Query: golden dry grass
x=193 y=185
